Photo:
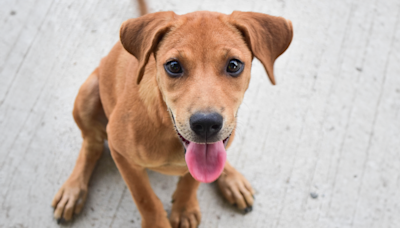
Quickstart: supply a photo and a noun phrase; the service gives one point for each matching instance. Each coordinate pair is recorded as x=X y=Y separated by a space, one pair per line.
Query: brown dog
x=166 y=97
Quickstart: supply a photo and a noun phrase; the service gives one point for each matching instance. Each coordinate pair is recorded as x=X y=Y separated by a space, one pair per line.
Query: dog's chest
x=171 y=162
x=165 y=155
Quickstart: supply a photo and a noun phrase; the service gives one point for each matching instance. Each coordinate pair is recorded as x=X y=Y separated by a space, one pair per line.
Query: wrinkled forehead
x=203 y=33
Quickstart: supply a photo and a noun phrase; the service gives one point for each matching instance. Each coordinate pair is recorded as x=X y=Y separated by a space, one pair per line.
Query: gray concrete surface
x=329 y=129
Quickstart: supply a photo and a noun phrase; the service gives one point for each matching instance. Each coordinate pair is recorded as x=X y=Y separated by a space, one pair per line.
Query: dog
x=166 y=98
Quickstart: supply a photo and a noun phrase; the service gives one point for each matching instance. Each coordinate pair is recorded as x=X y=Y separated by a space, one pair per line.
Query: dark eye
x=173 y=68
x=234 y=67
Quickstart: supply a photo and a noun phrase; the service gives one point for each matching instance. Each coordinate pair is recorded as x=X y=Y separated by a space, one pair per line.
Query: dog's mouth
x=186 y=142
x=205 y=161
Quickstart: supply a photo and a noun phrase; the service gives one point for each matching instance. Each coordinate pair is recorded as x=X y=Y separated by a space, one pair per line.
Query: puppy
x=166 y=98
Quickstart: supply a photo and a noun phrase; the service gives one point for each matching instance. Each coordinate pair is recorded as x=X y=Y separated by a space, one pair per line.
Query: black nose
x=206 y=124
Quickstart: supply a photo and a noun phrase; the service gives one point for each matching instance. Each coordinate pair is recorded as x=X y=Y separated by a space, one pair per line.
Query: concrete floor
x=330 y=128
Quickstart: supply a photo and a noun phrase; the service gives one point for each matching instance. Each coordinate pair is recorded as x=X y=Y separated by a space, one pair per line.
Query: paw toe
x=185 y=218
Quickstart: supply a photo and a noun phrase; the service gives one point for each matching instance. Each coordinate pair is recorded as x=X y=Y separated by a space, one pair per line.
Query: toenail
x=248 y=209
x=60 y=220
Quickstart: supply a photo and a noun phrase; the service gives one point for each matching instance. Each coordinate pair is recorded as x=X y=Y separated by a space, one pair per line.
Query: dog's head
x=203 y=62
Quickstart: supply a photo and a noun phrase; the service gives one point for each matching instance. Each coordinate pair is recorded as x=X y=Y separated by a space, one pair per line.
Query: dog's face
x=203 y=70
x=203 y=62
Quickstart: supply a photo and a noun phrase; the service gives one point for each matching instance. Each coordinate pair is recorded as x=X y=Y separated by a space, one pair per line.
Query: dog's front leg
x=185 y=209
x=150 y=207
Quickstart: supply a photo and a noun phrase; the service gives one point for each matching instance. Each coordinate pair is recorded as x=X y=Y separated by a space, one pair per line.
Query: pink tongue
x=205 y=161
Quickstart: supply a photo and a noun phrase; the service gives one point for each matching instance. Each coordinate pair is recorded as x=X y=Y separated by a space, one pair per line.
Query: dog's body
x=151 y=124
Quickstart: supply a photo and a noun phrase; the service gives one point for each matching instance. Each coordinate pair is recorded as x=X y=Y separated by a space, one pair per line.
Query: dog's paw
x=69 y=200
x=185 y=214
x=236 y=189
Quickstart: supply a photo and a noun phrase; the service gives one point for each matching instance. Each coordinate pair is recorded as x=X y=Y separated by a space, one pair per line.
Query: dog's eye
x=234 y=67
x=173 y=68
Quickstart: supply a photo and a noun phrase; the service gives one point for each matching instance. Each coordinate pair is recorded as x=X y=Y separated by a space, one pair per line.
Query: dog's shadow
x=109 y=200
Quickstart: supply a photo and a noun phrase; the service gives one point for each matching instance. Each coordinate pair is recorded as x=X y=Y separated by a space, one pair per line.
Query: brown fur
x=132 y=91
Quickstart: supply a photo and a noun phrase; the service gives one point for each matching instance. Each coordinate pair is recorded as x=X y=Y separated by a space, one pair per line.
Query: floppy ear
x=267 y=36
x=140 y=36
